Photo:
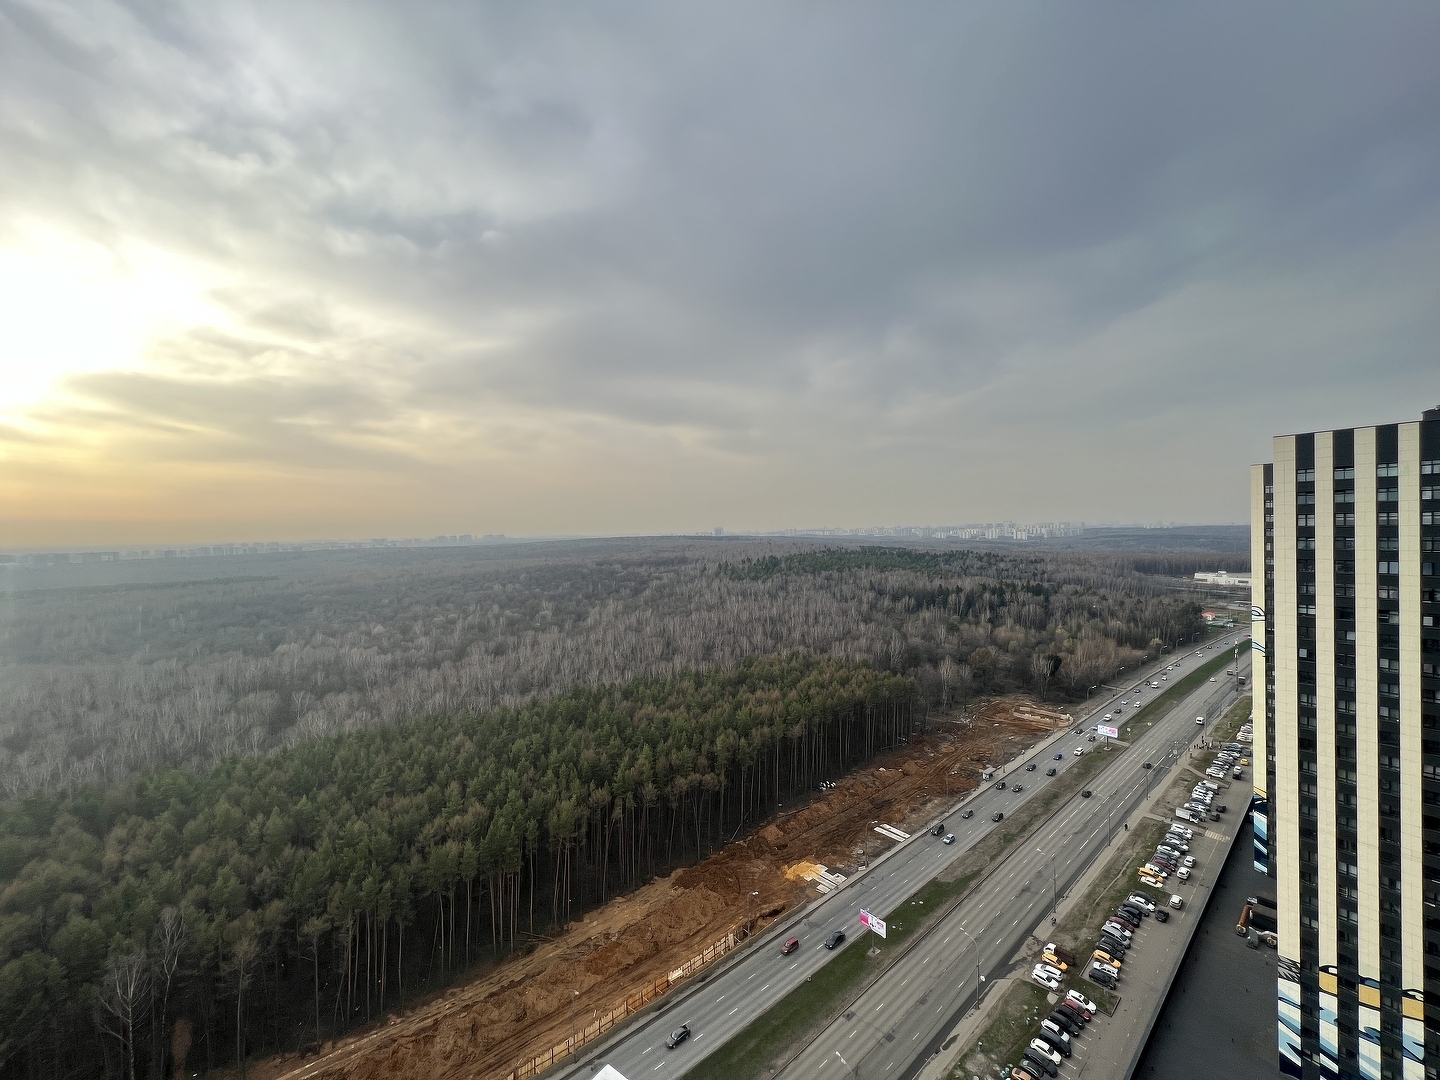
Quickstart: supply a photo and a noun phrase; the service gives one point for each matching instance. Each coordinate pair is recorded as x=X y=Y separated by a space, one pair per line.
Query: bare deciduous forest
x=144 y=665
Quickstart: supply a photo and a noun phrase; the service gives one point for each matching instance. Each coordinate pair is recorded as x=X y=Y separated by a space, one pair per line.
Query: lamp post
x=1054 y=887
x=574 y=997
x=977 y=965
x=1089 y=688
x=748 y=897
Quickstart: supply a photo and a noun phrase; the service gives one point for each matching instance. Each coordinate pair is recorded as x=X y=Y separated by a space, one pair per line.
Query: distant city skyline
x=379 y=270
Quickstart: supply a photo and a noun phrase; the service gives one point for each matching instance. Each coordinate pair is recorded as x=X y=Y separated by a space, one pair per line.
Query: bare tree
x=170 y=941
x=123 y=994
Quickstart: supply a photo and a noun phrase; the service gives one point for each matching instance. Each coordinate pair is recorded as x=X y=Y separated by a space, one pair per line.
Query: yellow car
x=1243 y=761
x=1105 y=958
x=1054 y=961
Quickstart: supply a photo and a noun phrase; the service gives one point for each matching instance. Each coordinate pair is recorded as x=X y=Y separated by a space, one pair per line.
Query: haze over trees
x=145 y=666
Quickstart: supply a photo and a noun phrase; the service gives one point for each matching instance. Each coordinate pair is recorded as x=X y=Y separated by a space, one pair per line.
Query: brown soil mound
x=523 y=1007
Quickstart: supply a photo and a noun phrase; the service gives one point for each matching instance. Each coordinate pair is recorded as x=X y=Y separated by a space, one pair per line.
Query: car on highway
x=1000 y=786
x=791 y=944
x=968 y=813
x=1078 y=731
x=938 y=830
x=1030 y=767
x=1058 y=757
x=1017 y=788
x=1086 y=793
x=1079 y=750
x=998 y=815
x=676 y=1037
x=1147 y=765
x=1046 y=980
x=949 y=838
x=835 y=939
x=1199 y=720
x=1050 y=771
x=1074 y=997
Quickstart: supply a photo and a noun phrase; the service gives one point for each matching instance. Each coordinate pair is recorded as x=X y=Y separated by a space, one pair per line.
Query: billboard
x=1108 y=732
x=874 y=922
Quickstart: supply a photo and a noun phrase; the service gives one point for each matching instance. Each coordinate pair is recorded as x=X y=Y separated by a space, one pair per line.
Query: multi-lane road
x=891 y=1029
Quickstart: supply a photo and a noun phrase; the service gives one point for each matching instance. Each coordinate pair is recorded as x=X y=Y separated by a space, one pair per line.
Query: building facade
x=1346 y=526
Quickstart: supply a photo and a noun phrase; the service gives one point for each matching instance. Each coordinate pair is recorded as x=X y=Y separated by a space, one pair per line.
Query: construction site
x=517 y=1018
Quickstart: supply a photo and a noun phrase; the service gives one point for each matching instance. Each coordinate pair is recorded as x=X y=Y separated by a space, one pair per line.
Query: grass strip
x=1014 y=1022
x=1170 y=698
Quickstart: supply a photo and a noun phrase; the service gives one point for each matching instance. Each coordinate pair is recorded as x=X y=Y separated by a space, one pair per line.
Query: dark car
x=968 y=814
x=1059 y=757
x=1086 y=793
x=1050 y=771
x=1050 y=1038
x=835 y=939
x=938 y=830
x=1032 y=1060
x=1000 y=786
x=676 y=1037
x=1147 y=765
x=1065 y=1023
x=791 y=944
x=1030 y=767
x=1161 y=915
x=1078 y=731
x=1016 y=788
x=1072 y=1013
x=998 y=815
x=1114 y=946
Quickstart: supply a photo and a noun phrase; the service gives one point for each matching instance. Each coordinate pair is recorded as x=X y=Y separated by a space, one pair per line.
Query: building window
x=1430 y=468
x=1388 y=469
x=1387 y=519
x=1303 y=476
x=1384 y=567
x=1304 y=521
x=1388 y=592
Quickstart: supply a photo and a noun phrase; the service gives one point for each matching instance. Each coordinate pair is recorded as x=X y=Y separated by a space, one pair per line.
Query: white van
x=1186 y=815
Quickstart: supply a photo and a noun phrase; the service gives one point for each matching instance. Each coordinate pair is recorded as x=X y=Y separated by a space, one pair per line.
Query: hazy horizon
x=367 y=271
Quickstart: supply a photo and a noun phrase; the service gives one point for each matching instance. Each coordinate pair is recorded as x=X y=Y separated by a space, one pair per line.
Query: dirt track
x=483 y=1028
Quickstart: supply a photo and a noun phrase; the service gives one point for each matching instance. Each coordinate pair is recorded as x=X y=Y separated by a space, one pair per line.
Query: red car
x=790 y=946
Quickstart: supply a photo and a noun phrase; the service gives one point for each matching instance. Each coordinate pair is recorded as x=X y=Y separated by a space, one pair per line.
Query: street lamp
x=1089 y=688
x=1054 y=886
x=977 y=964
x=748 y=897
x=575 y=996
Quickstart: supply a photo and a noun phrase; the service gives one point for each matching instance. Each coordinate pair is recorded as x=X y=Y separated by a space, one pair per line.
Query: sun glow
x=70 y=307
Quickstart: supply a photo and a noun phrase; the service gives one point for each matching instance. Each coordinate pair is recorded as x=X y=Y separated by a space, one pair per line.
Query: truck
x=1060 y=951
x=1186 y=815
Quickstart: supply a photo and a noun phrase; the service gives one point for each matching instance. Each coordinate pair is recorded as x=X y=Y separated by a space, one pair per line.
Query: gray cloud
x=928 y=263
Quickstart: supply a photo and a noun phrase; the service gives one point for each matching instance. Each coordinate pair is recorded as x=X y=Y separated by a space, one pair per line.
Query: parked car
x=1183 y=873
x=1057 y=1041
x=1101 y=974
x=1064 y=1023
x=1140 y=900
x=1045 y=980
x=1053 y=970
x=1105 y=958
x=1045 y=1050
x=676 y=1037
x=1033 y=1060
x=1077 y=998
x=791 y=944
x=1054 y=1029
x=835 y=940
x=1054 y=961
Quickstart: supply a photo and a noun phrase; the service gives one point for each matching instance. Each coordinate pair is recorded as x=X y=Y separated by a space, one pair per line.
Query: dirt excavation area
x=521 y=1009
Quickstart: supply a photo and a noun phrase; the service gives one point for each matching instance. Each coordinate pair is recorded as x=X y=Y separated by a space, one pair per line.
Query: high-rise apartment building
x=1346 y=528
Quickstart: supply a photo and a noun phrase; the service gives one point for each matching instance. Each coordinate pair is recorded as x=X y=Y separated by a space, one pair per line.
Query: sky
x=293 y=271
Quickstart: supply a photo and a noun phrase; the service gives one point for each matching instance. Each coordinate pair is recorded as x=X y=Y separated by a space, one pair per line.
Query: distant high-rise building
x=1346 y=528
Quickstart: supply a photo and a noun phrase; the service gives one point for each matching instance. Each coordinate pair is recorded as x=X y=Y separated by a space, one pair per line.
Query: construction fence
x=631 y=1004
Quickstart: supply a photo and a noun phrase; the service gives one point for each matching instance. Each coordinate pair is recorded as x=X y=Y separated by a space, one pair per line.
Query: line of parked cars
x=1229 y=763
x=1171 y=858
x=1052 y=1043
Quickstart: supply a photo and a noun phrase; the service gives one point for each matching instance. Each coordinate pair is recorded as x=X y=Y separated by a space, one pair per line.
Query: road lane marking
x=658 y=1067
x=734 y=1010
x=646 y=1050
x=763 y=988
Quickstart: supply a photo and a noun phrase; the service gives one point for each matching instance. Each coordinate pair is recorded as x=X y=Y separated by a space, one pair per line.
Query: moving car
x=791 y=944
x=1079 y=750
x=949 y=838
x=1000 y=786
x=1030 y=767
x=1200 y=719
x=998 y=815
x=1050 y=771
x=1016 y=788
x=1183 y=873
x=1086 y=793
x=835 y=939
x=1147 y=765
x=968 y=814
x=938 y=829
x=1059 y=757
x=676 y=1037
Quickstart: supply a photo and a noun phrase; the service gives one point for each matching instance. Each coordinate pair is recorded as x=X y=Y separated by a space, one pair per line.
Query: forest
x=113 y=669
x=191 y=921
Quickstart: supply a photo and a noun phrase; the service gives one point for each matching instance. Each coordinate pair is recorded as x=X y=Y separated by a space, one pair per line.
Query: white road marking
x=646 y=1050
x=658 y=1067
x=734 y=1010
x=763 y=988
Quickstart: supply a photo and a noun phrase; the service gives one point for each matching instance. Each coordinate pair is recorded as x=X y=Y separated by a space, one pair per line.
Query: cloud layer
x=301 y=270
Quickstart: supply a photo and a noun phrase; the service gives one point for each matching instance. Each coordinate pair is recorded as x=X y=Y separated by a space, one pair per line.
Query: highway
x=898 y=1018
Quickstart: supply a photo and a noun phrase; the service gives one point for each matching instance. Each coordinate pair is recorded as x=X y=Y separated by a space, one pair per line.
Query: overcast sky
x=303 y=270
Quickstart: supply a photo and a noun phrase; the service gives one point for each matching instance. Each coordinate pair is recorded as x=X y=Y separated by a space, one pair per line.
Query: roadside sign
x=874 y=922
x=1108 y=732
